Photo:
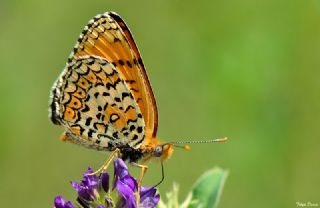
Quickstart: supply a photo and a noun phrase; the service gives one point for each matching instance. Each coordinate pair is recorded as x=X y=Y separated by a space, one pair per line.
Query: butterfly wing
x=96 y=107
x=108 y=36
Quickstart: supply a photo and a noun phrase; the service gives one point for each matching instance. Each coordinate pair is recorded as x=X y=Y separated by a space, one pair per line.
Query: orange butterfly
x=104 y=99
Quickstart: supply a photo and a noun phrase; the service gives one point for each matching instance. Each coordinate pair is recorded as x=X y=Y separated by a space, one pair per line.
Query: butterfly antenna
x=187 y=147
x=162 y=175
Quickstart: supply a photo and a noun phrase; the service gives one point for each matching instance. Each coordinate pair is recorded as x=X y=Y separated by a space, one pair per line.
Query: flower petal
x=59 y=202
x=147 y=192
x=127 y=194
x=89 y=179
x=150 y=202
x=88 y=188
x=120 y=168
x=148 y=197
x=104 y=177
x=130 y=182
x=75 y=185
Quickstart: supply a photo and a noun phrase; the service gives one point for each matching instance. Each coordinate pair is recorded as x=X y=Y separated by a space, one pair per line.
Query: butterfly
x=103 y=97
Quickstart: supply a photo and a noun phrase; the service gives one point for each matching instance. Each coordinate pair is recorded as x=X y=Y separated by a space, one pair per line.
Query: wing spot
x=128 y=108
x=135 y=137
x=121 y=62
x=87 y=98
x=125 y=94
x=139 y=129
x=130 y=81
x=88 y=121
x=134 y=90
x=98 y=116
x=86 y=109
x=117 y=99
x=132 y=128
x=115 y=135
x=129 y=64
x=105 y=106
x=106 y=94
x=90 y=132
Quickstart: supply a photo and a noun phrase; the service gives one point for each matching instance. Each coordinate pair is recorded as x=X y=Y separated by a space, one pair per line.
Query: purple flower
x=59 y=202
x=89 y=187
x=127 y=187
x=94 y=192
x=148 y=197
x=125 y=184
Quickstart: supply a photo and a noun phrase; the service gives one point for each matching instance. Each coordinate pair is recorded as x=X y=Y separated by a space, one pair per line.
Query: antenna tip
x=186 y=147
x=221 y=139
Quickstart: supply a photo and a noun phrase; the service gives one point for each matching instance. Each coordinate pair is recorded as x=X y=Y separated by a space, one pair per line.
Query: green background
x=246 y=69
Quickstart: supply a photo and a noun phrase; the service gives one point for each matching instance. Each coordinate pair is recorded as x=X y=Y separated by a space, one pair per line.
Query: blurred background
x=246 y=69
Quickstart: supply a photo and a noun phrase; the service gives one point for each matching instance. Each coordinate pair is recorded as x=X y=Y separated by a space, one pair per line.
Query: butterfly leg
x=144 y=169
x=64 y=137
x=104 y=167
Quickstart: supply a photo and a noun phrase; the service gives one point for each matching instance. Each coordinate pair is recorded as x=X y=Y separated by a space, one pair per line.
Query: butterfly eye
x=158 y=151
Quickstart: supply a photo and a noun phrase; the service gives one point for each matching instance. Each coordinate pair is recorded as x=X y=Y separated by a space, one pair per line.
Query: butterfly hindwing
x=95 y=105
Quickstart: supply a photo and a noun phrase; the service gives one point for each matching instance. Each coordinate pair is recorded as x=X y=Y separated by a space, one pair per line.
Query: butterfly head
x=164 y=151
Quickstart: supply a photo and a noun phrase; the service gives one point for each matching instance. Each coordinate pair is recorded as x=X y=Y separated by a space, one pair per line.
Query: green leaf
x=207 y=189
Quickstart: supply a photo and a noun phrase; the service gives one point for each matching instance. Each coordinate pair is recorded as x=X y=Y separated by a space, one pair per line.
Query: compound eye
x=158 y=151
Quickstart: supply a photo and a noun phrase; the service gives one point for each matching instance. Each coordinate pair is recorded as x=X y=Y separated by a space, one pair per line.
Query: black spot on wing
x=121 y=62
x=105 y=106
x=129 y=64
x=99 y=116
x=109 y=85
x=135 y=137
x=87 y=98
x=117 y=99
x=128 y=108
x=139 y=129
x=78 y=117
x=106 y=94
x=90 y=132
x=131 y=121
x=132 y=128
x=98 y=84
x=115 y=135
x=88 y=121
x=130 y=81
x=140 y=141
x=125 y=94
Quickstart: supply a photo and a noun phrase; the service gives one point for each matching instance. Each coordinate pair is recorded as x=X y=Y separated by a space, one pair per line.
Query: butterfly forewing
x=96 y=106
x=108 y=36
